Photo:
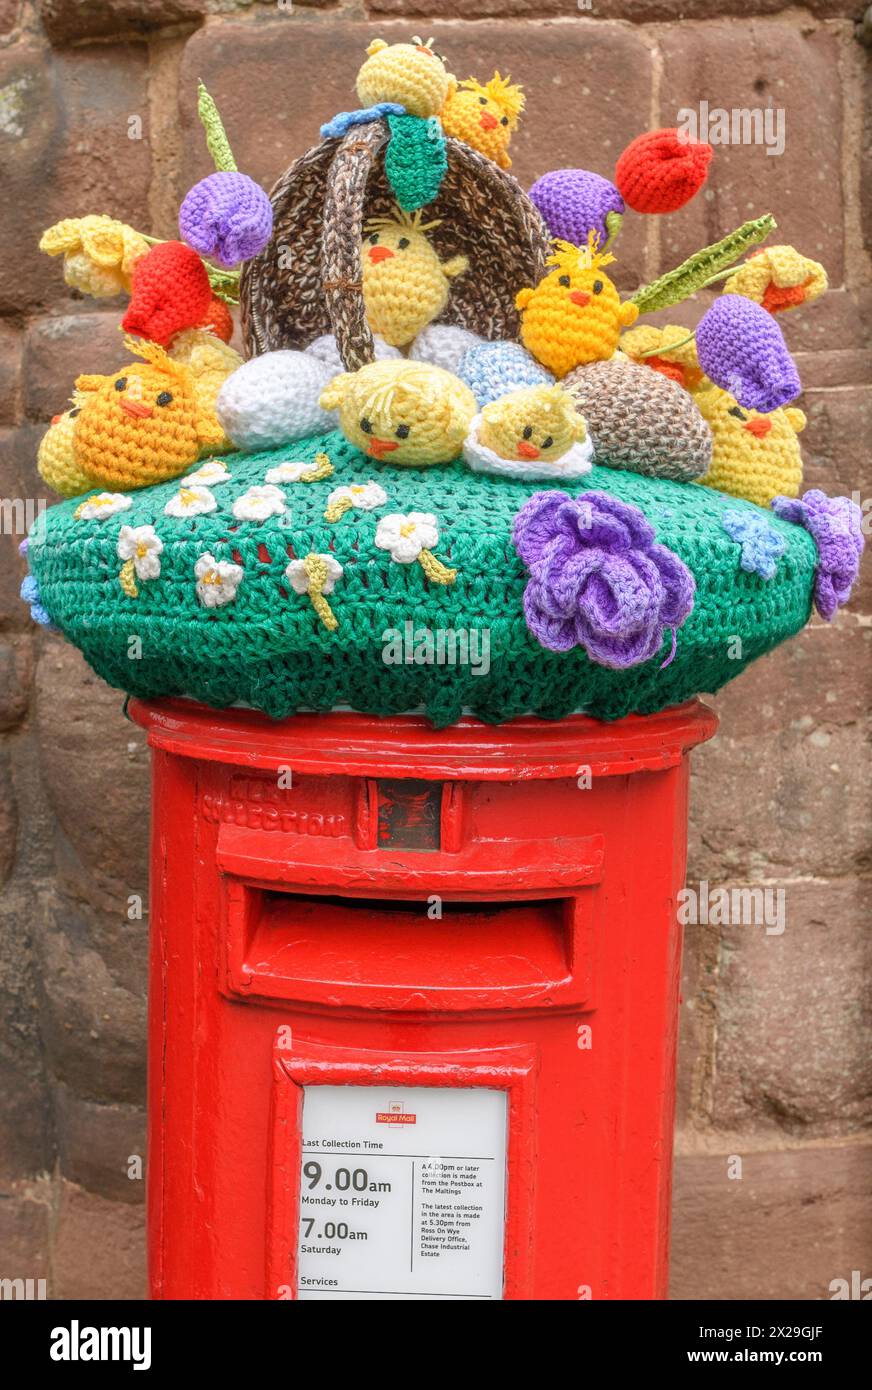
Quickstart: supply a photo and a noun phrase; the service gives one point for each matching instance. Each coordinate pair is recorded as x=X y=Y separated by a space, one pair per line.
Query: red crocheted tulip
x=661 y=171
x=170 y=292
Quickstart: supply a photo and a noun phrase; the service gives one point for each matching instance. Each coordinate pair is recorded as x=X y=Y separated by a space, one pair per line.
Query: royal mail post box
x=413 y=1004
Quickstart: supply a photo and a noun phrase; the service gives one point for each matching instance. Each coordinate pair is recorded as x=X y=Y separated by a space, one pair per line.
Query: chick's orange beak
x=579 y=297
x=759 y=428
x=527 y=451
x=135 y=408
x=487 y=121
x=380 y=253
x=378 y=447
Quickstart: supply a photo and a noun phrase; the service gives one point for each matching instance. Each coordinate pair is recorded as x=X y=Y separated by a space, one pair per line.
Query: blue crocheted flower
x=762 y=546
x=30 y=594
x=491 y=370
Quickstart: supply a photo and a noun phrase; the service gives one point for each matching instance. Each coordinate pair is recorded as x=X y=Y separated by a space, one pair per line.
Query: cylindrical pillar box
x=413 y=1004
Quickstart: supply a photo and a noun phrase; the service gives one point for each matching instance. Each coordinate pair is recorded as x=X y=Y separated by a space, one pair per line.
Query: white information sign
x=403 y=1192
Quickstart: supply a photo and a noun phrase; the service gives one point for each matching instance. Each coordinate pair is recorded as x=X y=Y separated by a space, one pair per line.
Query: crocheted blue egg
x=491 y=370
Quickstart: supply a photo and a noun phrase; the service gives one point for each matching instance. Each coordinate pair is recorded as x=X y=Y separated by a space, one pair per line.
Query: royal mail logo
x=395 y=1115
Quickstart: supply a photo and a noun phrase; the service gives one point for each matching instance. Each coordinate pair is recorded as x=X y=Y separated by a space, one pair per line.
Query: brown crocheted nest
x=307 y=281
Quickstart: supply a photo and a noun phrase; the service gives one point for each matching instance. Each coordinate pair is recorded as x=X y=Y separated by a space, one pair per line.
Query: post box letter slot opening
x=409 y=955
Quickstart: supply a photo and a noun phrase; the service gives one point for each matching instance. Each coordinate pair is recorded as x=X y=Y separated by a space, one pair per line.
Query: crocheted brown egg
x=640 y=420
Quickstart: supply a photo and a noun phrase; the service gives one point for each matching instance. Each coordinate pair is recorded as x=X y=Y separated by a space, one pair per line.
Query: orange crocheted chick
x=574 y=315
x=144 y=424
x=754 y=456
x=401 y=412
x=484 y=115
x=405 y=285
x=408 y=73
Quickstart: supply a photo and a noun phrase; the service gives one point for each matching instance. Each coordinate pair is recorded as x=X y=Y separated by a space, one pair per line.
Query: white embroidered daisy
x=103 y=504
x=208 y=474
x=217 y=581
x=300 y=578
x=288 y=472
x=405 y=535
x=367 y=496
x=143 y=546
x=191 y=501
x=259 y=502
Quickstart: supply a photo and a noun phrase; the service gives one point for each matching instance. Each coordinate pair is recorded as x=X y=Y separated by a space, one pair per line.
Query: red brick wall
x=775 y=1062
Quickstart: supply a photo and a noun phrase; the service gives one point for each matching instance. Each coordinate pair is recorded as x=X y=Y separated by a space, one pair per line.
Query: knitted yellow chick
x=405 y=285
x=143 y=424
x=408 y=413
x=408 y=73
x=534 y=432
x=574 y=315
x=484 y=115
x=99 y=253
x=753 y=456
x=55 y=459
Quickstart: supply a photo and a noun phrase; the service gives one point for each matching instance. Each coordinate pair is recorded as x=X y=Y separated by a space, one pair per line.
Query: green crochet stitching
x=416 y=160
x=268 y=647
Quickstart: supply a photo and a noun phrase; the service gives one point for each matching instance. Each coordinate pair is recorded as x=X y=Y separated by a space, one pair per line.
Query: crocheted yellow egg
x=405 y=285
x=484 y=115
x=402 y=412
x=55 y=459
x=142 y=425
x=539 y=423
x=574 y=315
x=753 y=456
x=408 y=73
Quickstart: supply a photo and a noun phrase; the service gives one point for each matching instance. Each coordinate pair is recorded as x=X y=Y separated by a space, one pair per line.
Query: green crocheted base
x=268 y=649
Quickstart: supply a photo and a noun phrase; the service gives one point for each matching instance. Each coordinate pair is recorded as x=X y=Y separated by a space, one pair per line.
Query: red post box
x=414 y=1001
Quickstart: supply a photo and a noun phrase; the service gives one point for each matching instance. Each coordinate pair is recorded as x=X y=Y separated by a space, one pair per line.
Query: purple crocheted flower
x=835 y=525
x=226 y=216
x=574 y=202
x=741 y=348
x=598 y=578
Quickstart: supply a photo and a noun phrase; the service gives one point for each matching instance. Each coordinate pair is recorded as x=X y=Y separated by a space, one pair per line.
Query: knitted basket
x=268 y=648
x=307 y=280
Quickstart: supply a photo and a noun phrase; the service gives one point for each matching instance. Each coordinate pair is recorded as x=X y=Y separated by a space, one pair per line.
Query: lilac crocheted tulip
x=598 y=578
x=741 y=348
x=574 y=202
x=226 y=216
x=835 y=525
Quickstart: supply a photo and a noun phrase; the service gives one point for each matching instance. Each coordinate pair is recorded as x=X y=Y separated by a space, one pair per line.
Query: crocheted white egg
x=273 y=399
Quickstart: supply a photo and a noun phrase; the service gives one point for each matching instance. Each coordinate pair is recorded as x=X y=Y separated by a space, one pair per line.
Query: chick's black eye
x=402 y=431
x=121 y=383
x=482 y=101
x=564 y=280
x=597 y=286
x=74 y=413
x=504 y=120
x=373 y=240
x=528 y=431
x=366 y=425
x=403 y=242
x=547 y=441
x=165 y=398
x=739 y=414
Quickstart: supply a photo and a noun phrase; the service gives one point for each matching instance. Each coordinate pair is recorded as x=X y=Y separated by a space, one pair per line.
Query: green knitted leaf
x=679 y=284
x=415 y=161
x=267 y=647
x=216 y=136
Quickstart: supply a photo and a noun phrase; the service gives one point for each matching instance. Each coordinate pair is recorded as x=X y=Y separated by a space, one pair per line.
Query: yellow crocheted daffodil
x=653 y=348
x=408 y=73
x=405 y=285
x=408 y=413
x=143 y=424
x=779 y=278
x=99 y=253
x=55 y=459
x=754 y=456
x=484 y=115
x=210 y=361
x=575 y=314
x=536 y=423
